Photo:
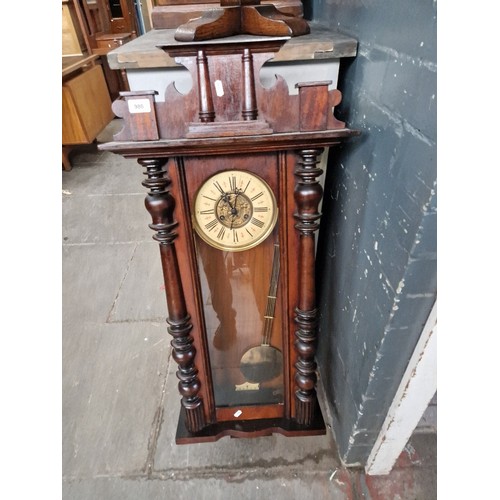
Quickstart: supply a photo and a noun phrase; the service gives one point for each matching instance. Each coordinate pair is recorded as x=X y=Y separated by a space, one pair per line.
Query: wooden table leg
x=66 y=150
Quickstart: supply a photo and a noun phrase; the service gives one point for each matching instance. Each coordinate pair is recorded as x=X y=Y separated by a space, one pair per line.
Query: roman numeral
x=235 y=236
x=257 y=196
x=211 y=224
x=232 y=183
x=219 y=187
x=207 y=212
x=221 y=233
x=261 y=209
x=208 y=198
x=257 y=222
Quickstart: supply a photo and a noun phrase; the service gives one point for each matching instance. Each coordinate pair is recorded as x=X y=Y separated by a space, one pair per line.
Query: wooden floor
x=120 y=399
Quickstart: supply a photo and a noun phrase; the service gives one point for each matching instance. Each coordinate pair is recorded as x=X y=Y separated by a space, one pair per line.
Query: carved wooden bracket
x=236 y=17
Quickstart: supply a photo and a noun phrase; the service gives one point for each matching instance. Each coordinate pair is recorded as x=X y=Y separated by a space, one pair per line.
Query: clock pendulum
x=265 y=362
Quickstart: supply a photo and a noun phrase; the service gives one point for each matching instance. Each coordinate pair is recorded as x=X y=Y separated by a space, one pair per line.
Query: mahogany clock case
x=243 y=319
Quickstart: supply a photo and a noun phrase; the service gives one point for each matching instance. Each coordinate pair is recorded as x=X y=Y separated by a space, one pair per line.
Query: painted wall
x=377 y=243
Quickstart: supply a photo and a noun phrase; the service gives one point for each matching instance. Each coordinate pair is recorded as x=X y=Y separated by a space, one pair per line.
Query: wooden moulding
x=228 y=129
x=147 y=51
x=228 y=145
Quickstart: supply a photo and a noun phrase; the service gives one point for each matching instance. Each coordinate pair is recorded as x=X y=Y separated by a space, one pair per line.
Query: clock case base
x=250 y=429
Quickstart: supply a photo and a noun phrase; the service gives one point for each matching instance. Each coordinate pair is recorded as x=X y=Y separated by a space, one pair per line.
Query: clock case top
x=227 y=103
x=229 y=114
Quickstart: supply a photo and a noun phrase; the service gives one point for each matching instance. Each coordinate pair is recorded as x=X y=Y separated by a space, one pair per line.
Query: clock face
x=234 y=210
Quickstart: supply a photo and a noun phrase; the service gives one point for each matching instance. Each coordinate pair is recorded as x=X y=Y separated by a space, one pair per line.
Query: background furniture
x=86 y=105
x=172 y=13
x=90 y=29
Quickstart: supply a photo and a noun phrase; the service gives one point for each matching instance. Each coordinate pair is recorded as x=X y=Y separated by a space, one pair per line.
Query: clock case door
x=227 y=409
x=238 y=257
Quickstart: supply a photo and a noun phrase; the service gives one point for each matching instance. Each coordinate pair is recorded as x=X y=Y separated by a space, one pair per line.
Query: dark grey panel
x=406 y=27
x=377 y=243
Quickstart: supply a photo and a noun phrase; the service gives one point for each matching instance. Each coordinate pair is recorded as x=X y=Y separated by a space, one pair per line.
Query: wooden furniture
x=232 y=174
x=102 y=26
x=104 y=17
x=86 y=105
x=109 y=41
x=88 y=83
x=115 y=79
x=122 y=16
x=233 y=17
x=168 y=14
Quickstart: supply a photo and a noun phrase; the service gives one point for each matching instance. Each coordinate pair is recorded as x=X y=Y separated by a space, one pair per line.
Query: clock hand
x=225 y=199
x=234 y=210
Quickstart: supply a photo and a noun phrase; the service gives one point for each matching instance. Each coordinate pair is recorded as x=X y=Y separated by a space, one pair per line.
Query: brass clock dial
x=234 y=210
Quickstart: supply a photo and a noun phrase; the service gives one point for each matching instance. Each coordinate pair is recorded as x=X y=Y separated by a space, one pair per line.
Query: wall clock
x=232 y=174
x=234 y=210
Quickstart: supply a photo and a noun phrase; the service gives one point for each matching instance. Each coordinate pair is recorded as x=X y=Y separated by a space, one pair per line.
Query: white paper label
x=219 y=90
x=238 y=413
x=139 y=106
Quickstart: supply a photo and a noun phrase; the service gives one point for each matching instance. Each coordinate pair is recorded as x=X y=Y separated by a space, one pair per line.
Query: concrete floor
x=120 y=399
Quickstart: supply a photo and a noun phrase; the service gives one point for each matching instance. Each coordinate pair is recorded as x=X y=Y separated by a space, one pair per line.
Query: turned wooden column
x=249 y=111
x=160 y=204
x=308 y=193
x=206 y=105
